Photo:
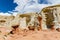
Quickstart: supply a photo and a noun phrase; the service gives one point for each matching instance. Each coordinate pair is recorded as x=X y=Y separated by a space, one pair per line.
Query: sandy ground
x=30 y=35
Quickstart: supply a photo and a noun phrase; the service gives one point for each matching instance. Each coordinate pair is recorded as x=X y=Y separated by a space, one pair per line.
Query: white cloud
x=21 y=4
x=5 y=14
x=28 y=6
x=35 y=8
x=9 y=13
x=33 y=5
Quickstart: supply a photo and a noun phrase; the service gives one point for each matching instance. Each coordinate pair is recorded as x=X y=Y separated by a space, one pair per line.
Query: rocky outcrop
x=51 y=16
x=48 y=18
x=28 y=21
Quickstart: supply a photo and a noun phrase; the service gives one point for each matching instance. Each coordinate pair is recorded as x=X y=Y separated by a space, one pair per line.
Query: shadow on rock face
x=58 y=29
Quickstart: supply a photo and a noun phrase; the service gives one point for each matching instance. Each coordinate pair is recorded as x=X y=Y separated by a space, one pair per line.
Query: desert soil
x=29 y=35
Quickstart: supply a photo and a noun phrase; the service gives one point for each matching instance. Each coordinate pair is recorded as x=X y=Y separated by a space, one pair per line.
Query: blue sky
x=24 y=5
x=43 y=2
x=7 y=5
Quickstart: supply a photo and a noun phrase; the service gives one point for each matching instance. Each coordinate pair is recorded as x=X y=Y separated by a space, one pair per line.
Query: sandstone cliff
x=48 y=18
x=28 y=21
x=51 y=16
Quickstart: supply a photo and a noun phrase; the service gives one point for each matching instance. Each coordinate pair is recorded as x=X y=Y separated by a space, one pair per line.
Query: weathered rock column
x=23 y=24
x=58 y=14
x=44 y=27
x=56 y=18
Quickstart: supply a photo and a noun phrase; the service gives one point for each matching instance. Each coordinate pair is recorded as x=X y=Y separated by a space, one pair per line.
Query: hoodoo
x=51 y=17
